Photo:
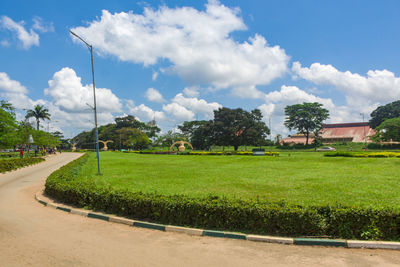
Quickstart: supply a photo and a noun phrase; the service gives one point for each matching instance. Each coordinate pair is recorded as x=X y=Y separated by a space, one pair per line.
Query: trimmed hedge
x=13 y=164
x=203 y=153
x=363 y=154
x=213 y=212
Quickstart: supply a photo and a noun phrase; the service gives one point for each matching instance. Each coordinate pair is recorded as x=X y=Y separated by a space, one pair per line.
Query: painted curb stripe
x=42 y=202
x=185 y=230
x=194 y=231
x=149 y=225
x=64 y=209
x=98 y=216
x=235 y=236
x=320 y=242
x=213 y=233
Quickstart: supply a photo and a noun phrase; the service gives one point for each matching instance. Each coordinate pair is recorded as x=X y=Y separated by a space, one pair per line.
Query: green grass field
x=304 y=178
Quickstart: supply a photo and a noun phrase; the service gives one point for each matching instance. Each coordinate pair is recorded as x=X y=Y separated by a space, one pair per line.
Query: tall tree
x=39 y=112
x=389 y=111
x=236 y=127
x=306 y=118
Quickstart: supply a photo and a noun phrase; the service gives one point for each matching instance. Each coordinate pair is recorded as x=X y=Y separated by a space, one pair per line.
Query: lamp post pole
x=90 y=47
x=365 y=141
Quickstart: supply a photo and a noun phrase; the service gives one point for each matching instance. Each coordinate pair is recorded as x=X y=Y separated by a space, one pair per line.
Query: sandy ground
x=34 y=235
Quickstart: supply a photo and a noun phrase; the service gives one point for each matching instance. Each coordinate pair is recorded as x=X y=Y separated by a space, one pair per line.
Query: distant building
x=358 y=132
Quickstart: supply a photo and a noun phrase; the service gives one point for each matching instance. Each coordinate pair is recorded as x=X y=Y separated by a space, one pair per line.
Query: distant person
x=21 y=153
x=351 y=148
x=36 y=151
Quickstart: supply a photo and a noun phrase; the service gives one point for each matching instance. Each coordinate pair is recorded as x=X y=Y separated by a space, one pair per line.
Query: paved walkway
x=31 y=234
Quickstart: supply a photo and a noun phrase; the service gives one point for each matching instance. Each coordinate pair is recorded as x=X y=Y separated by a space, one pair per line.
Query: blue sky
x=180 y=60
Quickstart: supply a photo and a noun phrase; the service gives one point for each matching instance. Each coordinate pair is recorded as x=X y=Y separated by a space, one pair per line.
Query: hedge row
x=13 y=164
x=213 y=212
x=363 y=154
x=203 y=153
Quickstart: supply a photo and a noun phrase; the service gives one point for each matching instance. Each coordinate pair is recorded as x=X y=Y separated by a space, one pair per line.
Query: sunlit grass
x=305 y=178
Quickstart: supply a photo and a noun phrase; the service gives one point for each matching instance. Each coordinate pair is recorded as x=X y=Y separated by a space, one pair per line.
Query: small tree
x=306 y=118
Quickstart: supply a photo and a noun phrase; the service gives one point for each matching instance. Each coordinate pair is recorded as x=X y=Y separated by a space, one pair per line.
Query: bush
x=383 y=146
x=363 y=154
x=13 y=164
x=214 y=212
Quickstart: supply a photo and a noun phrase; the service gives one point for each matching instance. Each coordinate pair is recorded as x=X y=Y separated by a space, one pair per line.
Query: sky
x=175 y=61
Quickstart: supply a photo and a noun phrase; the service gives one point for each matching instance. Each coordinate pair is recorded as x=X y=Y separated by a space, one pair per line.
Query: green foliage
x=13 y=164
x=306 y=118
x=167 y=139
x=363 y=154
x=39 y=112
x=388 y=130
x=382 y=113
x=117 y=133
x=216 y=212
x=8 y=125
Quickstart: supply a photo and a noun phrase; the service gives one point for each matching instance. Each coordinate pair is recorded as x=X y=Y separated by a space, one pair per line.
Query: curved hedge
x=13 y=164
x=213 y=212
x=363 y=154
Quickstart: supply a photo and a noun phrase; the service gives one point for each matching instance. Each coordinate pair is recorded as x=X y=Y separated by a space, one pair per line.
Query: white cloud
x=27 y=39
x=5 y=43
x=179 y=112
x=41 y=26
x=68 y=93
x=154 y=95
x=154 y=76
x=197 y=105
x=192 y=91
x=378 y=87
x=8 y=85
x=198 y=45
x=145 y=113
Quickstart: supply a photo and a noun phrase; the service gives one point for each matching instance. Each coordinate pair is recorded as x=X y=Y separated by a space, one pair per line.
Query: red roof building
x=358 y=132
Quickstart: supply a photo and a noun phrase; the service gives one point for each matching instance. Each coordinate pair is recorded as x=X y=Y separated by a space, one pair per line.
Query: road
x=34 y=235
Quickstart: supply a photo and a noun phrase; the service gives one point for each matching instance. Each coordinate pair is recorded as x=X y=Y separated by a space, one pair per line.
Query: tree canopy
x=230 y=127
x=388 y=130
x=306 y=118
x=382 y=113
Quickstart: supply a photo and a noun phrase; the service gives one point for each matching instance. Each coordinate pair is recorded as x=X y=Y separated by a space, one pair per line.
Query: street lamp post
x=90 y=47
x=365 y=139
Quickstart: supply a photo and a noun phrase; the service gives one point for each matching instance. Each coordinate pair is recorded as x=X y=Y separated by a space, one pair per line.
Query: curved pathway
x=31 y=234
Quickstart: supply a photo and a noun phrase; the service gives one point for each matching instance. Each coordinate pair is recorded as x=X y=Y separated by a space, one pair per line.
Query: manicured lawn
x=305 y=178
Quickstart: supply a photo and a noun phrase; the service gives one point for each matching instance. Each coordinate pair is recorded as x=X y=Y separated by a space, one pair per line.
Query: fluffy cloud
x=145 y=113
x=197 y=105
x=14 y=92
x=68 y=93
x=378 y=87
x=27 y=39
x=179 y=112
x=192 y=91
x=198 y=45
x=154 y=95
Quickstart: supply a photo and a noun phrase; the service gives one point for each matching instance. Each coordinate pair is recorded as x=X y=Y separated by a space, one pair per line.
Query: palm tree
x=38 y=112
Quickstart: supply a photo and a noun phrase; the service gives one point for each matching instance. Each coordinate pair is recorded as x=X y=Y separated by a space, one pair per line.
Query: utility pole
x=90 y=47
x=365 y=140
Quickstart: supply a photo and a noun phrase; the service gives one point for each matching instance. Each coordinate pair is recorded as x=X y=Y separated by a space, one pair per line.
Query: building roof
x=356 y=132
x=338 y=132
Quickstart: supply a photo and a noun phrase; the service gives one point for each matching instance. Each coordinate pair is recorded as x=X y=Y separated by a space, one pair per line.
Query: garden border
x=223 y=234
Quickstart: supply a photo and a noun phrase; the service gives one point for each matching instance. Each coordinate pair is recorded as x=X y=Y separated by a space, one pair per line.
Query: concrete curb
x=222 y=234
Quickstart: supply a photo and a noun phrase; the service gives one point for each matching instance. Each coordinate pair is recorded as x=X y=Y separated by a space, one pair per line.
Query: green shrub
x=363 y=154
x=13 y=164
x=230 y=214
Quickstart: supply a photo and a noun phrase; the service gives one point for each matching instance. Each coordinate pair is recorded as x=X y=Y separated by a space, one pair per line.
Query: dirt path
x=31 y=234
